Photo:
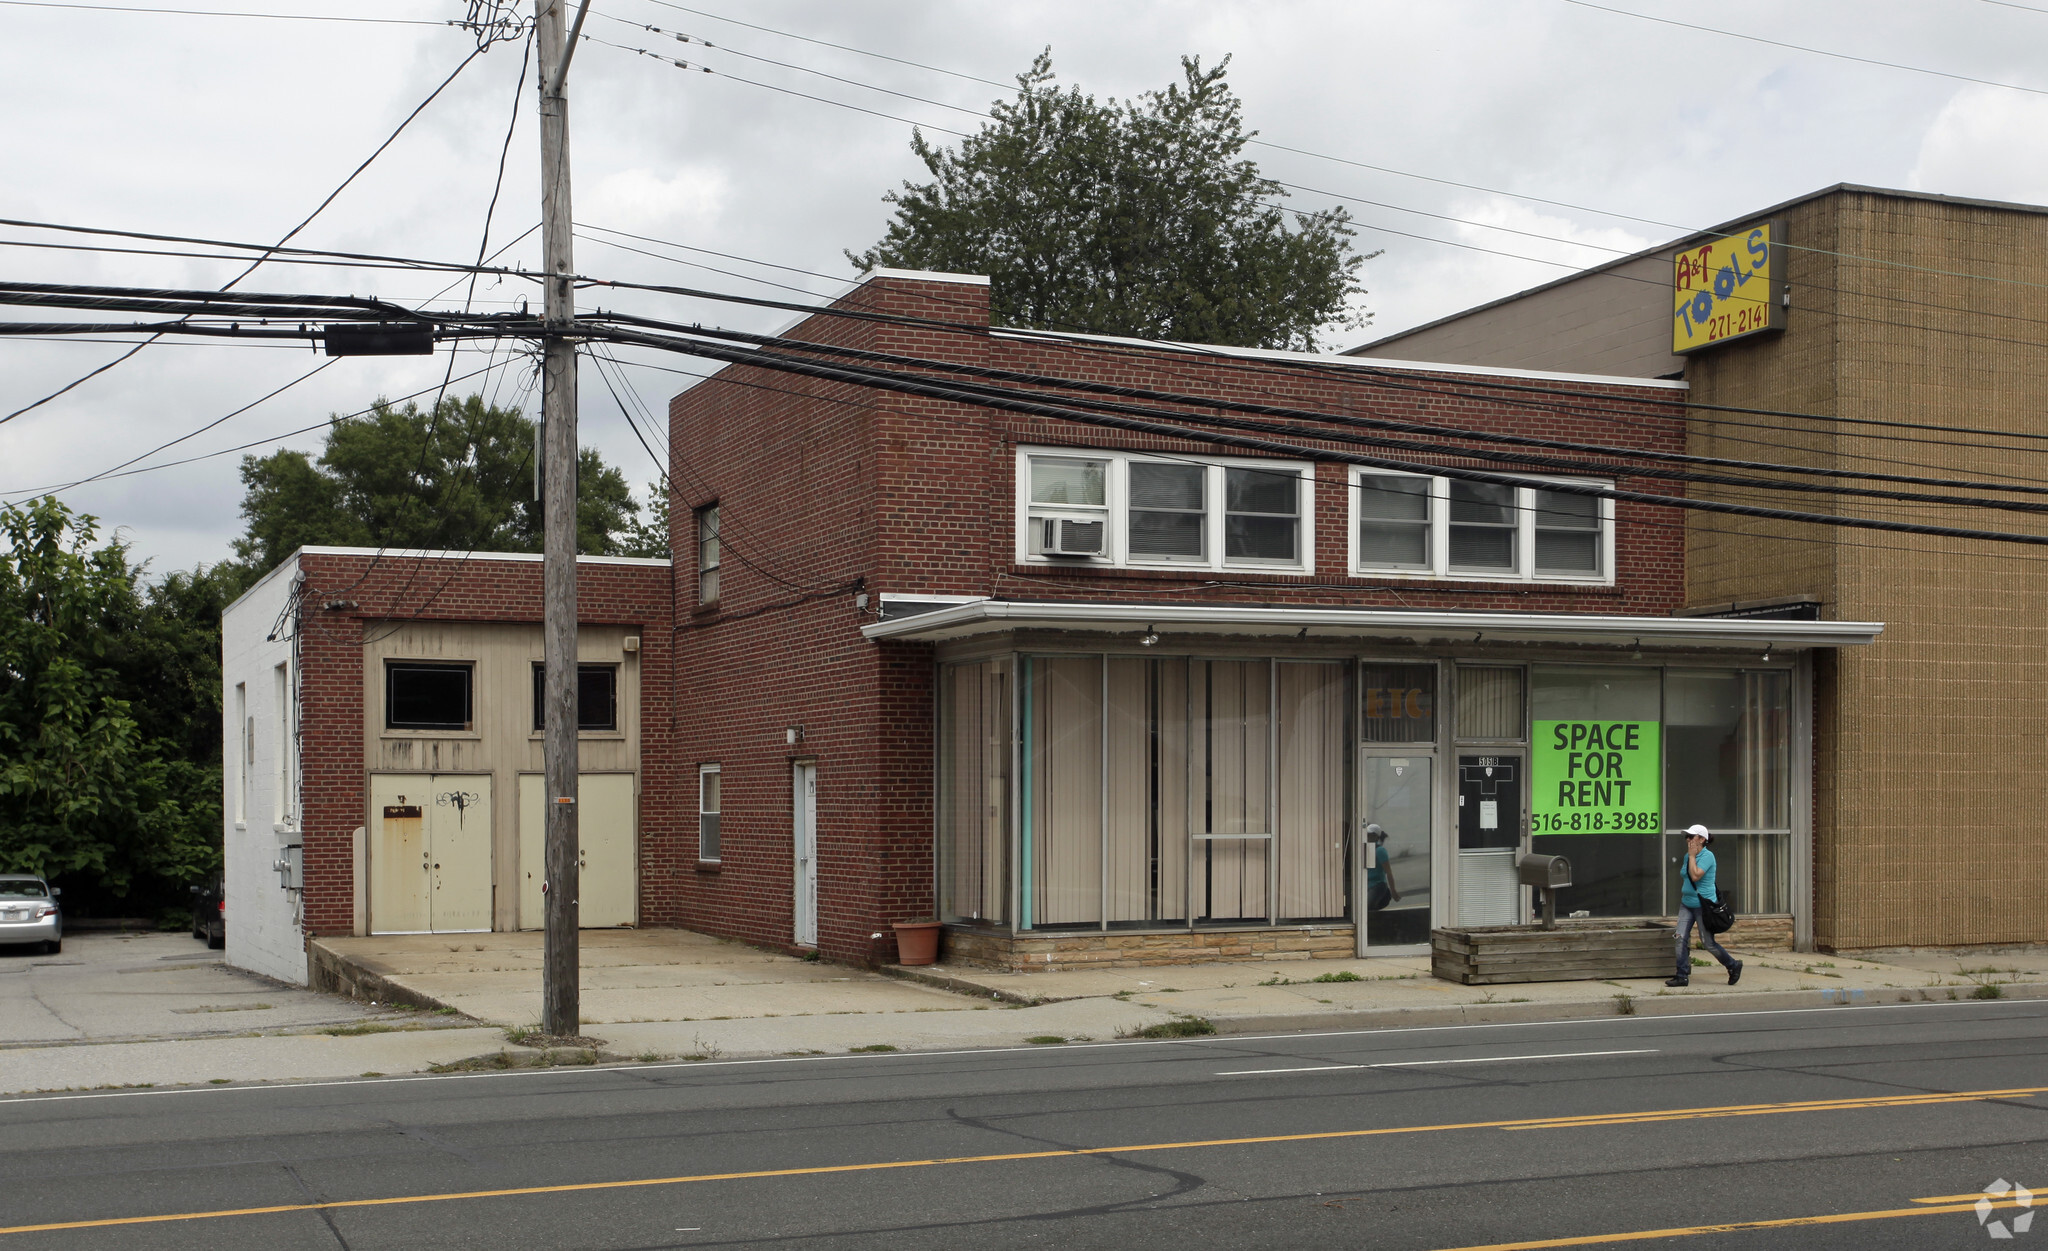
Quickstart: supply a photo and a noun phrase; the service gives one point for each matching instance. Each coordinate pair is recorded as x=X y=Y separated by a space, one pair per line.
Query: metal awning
x=990 y=616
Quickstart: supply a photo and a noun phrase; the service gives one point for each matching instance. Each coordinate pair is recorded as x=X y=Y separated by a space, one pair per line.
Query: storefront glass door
x=1489 y=837
x=1394 y=878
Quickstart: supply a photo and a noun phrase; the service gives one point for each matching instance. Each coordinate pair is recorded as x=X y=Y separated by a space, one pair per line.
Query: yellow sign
x=1727 y=288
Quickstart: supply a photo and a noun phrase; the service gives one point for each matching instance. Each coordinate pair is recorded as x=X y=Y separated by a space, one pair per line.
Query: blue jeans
x=1688 y=916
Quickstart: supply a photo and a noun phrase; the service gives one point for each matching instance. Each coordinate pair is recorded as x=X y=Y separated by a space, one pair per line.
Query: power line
x=243 y=447
x=1383 y=169
x=278 y=17
x=727 y=377
x=911 y=385
x=288 y=235
x=1839 y=56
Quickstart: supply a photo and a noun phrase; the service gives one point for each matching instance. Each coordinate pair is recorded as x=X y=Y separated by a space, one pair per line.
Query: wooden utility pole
x=561 y=1013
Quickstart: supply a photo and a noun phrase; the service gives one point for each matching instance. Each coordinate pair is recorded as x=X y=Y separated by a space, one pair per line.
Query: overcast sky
x=236 y=127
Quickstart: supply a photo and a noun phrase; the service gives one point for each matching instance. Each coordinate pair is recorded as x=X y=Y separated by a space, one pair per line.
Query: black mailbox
x=1545 y=871
x=1546 y=874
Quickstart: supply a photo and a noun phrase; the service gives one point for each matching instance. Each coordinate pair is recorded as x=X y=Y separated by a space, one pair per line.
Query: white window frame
x=710 y=771
x=1116 y=494
x=1439 y=569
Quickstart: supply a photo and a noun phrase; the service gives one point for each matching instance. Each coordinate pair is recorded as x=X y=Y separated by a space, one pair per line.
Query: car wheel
x=217 y=941
x=52 y=947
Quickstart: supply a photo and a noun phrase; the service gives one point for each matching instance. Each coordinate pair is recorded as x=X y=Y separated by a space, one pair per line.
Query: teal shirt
x=1690 y=892
x=1375 y=868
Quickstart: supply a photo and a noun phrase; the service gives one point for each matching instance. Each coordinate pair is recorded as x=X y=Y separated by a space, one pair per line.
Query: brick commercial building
x=1086 y=686
x=383 y=748
x=1090 y=693
x=1910 y=325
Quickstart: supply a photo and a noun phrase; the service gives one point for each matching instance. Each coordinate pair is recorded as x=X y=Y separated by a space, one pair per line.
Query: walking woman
x=1694 y=884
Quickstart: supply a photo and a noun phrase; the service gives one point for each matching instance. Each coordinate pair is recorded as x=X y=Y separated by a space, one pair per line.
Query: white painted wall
x=260 y=781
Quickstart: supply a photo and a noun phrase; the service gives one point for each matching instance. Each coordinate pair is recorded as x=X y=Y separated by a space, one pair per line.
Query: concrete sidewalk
x=664 y=994
x=674 y=993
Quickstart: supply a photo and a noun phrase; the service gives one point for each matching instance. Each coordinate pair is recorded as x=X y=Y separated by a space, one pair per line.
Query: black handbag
x=1718 y=914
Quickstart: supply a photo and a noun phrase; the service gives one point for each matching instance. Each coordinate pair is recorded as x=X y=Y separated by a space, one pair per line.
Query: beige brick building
x=1930 y=821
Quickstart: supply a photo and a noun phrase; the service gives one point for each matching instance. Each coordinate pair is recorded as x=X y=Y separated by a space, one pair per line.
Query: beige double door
x=430 y=853
x=607 y=862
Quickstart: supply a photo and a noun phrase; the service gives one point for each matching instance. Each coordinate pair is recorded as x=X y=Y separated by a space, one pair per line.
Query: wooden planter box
x=1573 y=952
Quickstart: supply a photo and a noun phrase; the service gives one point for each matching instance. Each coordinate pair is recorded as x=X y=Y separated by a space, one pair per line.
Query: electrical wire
x=278 y=17
x=1689 y=525
x=1839 y=56
x=911 y=385
x=288 y=236
x=323 y=423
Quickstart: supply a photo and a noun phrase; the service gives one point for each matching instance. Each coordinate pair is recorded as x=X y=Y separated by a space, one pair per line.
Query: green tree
x=1138 y=218
x=109 y=708
x=649 y=537
x=402 y=477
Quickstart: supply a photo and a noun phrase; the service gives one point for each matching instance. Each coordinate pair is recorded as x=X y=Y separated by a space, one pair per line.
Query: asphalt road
x=1657 y=1128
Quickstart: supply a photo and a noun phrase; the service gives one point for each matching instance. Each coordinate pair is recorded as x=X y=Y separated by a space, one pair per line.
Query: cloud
x=644 y=201
x=1989 y=143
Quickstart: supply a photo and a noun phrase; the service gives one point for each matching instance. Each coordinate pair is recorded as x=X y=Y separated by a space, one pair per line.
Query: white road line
x=1411 y=1064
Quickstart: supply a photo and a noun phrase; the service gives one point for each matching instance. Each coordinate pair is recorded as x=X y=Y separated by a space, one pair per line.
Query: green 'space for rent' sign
x=1596 y=777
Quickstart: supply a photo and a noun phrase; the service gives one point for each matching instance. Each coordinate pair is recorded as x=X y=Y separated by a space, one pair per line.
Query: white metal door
x=461 y=845
x=430 y=854
x=607 y=851
x=401 y=873
x=805 y=806
x=606 y=894
x=1392 y=893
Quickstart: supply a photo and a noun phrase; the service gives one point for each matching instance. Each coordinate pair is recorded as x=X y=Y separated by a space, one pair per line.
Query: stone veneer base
x=1124 y=949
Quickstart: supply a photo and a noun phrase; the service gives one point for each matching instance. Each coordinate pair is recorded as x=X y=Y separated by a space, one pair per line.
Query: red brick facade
x=346 y=595
x=827 y=490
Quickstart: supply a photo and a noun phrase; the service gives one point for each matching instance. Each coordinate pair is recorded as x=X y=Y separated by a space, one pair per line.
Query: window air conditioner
x=1066 y=536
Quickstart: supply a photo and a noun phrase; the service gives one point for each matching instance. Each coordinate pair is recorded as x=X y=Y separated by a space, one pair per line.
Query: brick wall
x=1928 y=743
x=370 y=591
x=826 y=491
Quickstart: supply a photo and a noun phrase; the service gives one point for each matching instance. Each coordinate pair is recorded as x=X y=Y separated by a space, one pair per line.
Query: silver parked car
x=29 y=912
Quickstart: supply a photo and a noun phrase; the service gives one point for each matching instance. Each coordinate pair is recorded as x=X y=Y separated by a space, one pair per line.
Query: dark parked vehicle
x=29 y=912
x=210 y=913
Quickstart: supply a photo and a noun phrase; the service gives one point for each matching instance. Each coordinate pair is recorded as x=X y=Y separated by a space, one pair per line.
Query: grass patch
x=882 y=1047
x=217 y=1081
x=1179 y=1027
x=360 y=1027
x=1045 y=1040
x=1989 y=990
x=1344 y=975
x=518 y=1034
x=1625 y=1005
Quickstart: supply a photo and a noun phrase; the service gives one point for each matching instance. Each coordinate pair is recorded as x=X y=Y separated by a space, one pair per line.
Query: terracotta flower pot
x=917 y=942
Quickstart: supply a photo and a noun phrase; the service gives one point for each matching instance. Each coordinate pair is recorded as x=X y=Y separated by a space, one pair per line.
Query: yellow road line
x=1589 y=1121
x=1683 y=1231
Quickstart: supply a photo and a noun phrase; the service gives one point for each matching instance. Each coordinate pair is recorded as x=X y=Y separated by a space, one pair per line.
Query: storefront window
x=1397 y=703
x=1155 y=784
x=1730 y=747
x=1596 y=771
x=974 y=791
x=1490 y=702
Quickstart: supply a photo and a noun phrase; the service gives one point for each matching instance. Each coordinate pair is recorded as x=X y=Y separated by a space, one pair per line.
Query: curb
x=974 y=990
x=327 y=970
x=1594 y=1010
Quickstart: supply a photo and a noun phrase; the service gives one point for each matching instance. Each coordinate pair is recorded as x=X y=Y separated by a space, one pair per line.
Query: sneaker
x=1679 y=981
x=1735 y=972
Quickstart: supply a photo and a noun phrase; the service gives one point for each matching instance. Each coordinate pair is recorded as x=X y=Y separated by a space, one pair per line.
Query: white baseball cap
x=1699 y=831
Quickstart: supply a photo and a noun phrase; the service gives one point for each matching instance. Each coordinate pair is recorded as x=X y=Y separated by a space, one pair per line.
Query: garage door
x=605 y=836
x=430 y=853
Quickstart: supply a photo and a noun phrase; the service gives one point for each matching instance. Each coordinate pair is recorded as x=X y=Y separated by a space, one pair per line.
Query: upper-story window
x=1452 y=528
x=709 y=554
x=424 y=695
x=1133 y=509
